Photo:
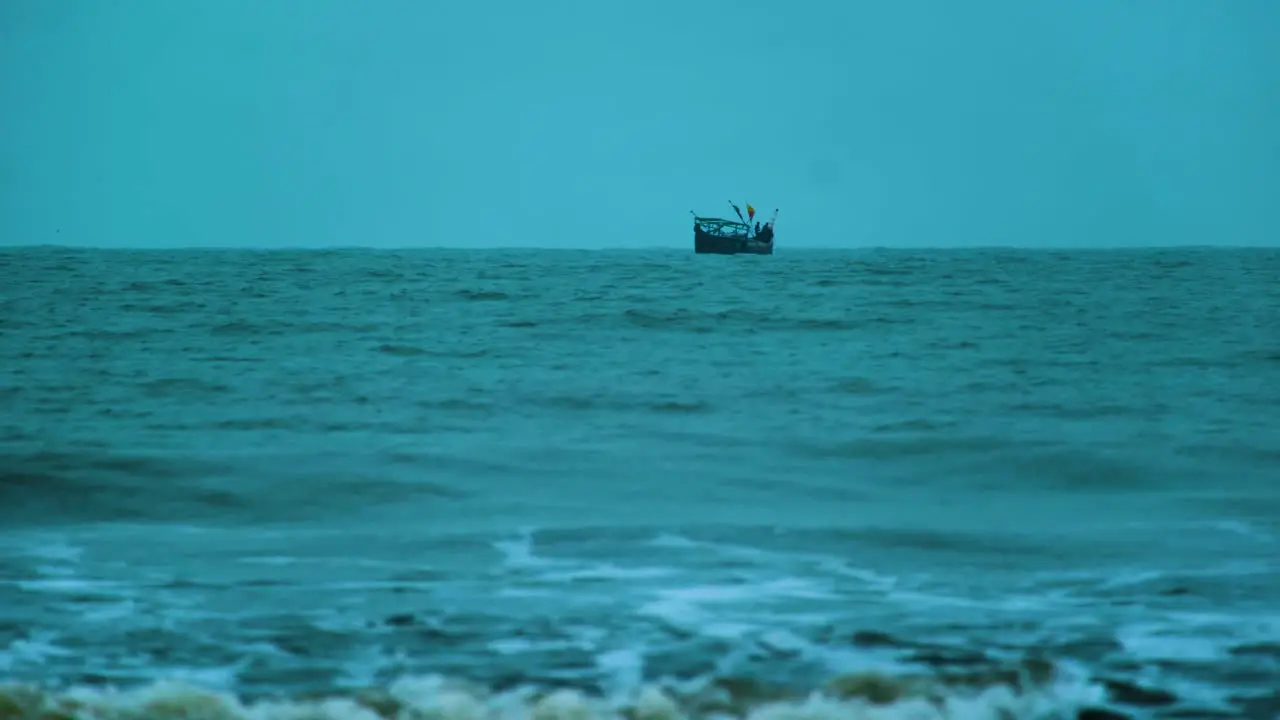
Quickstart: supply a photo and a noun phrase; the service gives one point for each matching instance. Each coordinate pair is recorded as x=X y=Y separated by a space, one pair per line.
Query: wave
x=1029 y=691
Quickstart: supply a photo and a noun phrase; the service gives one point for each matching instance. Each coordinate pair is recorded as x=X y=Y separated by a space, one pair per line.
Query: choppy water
x=446 y=484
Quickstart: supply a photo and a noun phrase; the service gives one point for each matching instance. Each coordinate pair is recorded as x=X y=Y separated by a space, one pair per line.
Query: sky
x=603 y=123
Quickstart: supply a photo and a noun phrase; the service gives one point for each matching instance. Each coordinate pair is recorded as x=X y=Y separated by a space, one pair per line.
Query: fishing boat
x=728 y=237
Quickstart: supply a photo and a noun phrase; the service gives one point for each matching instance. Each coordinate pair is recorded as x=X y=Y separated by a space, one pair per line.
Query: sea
x=440 y=484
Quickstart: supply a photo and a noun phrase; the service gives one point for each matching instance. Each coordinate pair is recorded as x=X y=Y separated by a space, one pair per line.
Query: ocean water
x=553 y=484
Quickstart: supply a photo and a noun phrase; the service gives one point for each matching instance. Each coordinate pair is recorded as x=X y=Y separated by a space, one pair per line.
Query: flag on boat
x=751 y=212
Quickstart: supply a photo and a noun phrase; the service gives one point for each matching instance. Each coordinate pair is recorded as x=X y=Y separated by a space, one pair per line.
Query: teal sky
x=602 y=123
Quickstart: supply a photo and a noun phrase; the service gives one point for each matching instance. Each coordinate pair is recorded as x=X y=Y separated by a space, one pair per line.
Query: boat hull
x=707 y=244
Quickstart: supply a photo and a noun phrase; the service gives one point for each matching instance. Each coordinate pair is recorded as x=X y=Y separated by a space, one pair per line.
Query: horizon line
x=630 y=249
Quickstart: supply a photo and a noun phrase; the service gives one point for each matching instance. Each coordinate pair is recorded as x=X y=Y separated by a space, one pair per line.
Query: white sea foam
x=437 y=697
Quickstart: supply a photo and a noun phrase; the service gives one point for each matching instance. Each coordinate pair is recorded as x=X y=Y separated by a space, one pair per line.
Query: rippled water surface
x=889 y=484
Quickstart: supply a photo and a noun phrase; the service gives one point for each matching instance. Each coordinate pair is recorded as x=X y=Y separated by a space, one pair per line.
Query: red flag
x=751 y=212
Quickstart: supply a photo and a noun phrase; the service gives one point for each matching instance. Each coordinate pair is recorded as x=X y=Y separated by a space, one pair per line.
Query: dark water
x=970 y=484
